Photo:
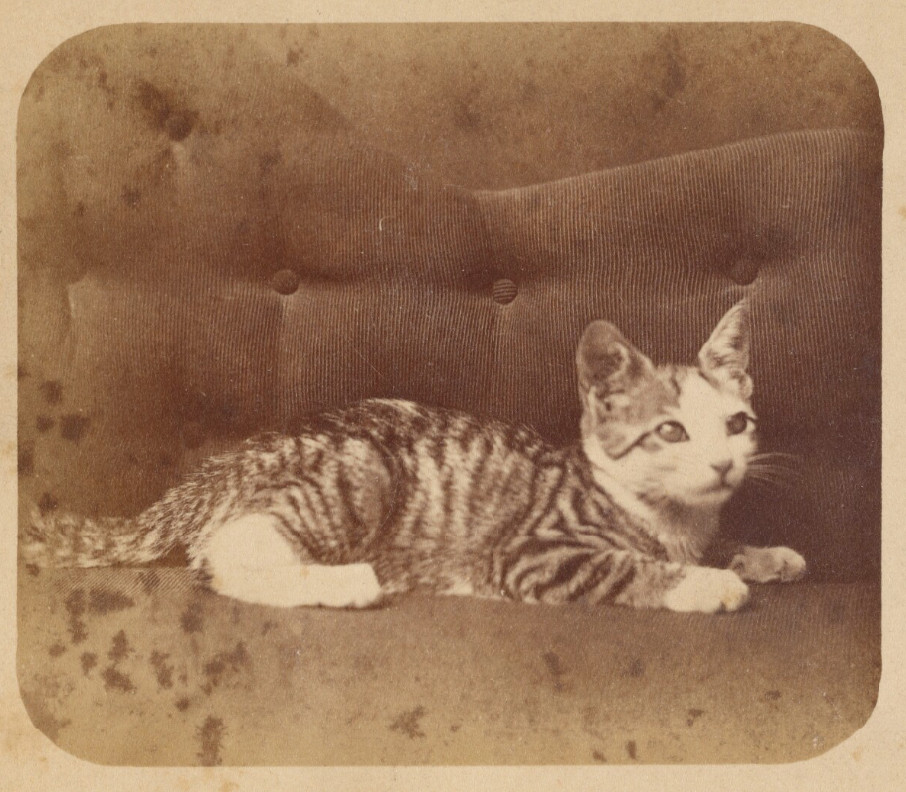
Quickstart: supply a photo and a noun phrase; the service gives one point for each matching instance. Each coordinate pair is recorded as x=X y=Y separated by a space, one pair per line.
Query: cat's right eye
x=672 y=432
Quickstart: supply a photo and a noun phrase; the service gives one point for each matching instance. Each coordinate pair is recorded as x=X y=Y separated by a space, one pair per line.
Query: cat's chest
x=687 y=540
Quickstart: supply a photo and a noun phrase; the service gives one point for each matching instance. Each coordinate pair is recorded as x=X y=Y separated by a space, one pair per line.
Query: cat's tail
x=55 y=539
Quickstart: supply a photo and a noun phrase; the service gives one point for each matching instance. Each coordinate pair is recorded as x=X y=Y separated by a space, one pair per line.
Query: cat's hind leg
x=249 y=559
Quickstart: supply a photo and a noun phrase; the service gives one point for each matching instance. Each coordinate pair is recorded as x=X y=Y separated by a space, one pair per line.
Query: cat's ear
x=607 y=363
x=725 y=356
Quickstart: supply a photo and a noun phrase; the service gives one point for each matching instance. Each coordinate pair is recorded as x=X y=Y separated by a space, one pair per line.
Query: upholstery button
x=504 y=291
x=179 y=125
x=743 y=270
x=286 y=281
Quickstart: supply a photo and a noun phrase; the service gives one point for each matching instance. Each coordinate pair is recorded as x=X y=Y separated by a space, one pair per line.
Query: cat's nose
x=722 y=468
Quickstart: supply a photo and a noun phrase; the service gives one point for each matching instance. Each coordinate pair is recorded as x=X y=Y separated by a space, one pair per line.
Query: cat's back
x=406 y=428
x=399 y=438
x=454 y=463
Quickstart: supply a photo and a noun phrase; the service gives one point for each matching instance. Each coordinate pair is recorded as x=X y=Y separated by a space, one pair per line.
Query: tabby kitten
x=388 y=496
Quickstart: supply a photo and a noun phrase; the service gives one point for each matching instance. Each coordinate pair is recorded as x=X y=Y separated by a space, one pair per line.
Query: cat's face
x=669 y=434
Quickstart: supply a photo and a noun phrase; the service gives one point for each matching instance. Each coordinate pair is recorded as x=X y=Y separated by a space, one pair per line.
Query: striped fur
x=387 y=496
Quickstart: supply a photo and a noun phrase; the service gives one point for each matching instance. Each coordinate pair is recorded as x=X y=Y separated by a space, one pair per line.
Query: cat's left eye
x=737 y=424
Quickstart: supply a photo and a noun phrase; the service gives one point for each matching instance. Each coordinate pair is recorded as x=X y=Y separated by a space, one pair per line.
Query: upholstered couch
x=224 y=228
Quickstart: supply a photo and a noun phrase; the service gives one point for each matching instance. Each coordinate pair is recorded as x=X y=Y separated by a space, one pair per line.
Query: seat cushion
x=138 y=667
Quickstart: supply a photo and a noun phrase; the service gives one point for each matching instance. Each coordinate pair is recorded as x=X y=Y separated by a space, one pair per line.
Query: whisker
x=780 y=471
x=770 y=466
x=773 y=485
x=775 y=481
x=766 y=469
x=780 y=465
x=783 y=473
x=767 y=473
x=777 y=456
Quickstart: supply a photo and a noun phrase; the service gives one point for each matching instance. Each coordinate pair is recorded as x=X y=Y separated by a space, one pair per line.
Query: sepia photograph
x=449 y=394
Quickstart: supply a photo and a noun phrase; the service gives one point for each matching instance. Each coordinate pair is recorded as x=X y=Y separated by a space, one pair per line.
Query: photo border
x=867 y=760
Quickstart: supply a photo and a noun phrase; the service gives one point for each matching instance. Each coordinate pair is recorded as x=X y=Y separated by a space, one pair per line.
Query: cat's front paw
x=767 y=564
x=707 y=590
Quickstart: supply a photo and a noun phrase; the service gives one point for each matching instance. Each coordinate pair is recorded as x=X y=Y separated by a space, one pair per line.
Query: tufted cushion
x=209 y=249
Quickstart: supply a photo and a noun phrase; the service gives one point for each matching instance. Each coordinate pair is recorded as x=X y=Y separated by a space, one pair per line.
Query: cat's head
x=669 y=434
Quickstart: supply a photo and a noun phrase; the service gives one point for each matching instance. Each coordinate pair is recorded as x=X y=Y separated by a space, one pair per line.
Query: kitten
x=388 y=496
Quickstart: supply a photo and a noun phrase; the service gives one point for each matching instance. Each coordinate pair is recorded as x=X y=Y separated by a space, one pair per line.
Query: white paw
x=707 y=590
x=347 y=586
x=299 y=585
x=766 y=564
